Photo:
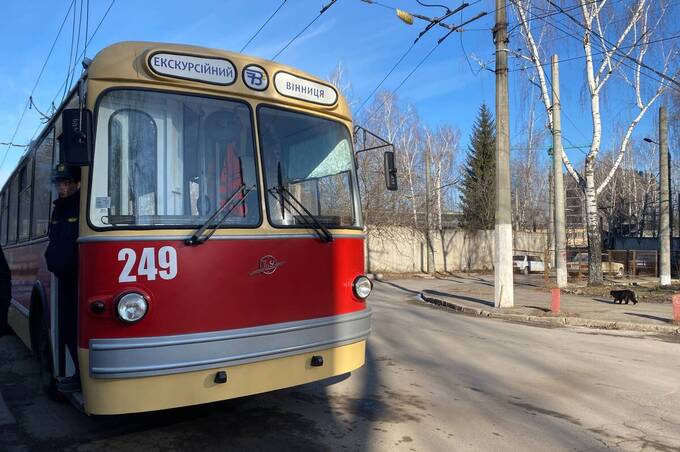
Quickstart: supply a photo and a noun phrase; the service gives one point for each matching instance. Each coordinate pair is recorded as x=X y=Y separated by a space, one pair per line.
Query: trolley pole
x=664 y=198
x=503 y=281
x=560 y=233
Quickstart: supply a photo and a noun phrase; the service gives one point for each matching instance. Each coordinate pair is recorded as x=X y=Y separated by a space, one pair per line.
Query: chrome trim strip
x=21 y=308
x=138 y=357
x=142 y=238
x=266 y=330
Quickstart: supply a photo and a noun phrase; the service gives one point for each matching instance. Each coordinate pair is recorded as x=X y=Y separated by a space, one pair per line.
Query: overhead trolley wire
x=401 y=58
x=87 y=43
x=615 y=48
x=82 y=54
x=262 y=26
x=597 y=47
x=420 y=63
x=600 y=52
x=323 y=10
x=35 y=85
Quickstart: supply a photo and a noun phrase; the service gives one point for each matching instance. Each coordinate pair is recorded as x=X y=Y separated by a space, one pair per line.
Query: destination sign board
x=218 y=71
x=290 y=85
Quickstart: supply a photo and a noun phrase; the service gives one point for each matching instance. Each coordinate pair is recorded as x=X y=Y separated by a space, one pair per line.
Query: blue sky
x=367 y=39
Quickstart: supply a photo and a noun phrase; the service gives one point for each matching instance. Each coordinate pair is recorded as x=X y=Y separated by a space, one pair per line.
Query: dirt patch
x=646 y=293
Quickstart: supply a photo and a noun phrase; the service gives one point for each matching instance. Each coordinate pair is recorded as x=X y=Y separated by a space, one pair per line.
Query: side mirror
x=74 y=141
x=390 y=171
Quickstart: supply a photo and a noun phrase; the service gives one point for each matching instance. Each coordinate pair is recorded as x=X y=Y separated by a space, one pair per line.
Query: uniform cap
x=64 y=172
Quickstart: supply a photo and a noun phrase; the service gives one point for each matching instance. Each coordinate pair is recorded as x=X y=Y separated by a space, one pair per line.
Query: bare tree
x=616 y=40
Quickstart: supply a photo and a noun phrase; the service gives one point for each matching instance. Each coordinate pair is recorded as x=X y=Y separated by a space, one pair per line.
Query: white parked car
x=527 y=264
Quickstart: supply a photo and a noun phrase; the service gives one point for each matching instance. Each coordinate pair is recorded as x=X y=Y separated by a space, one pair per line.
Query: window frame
x=92 y=172
x=29 y=167
x=354 y=187
x=14 y=178
x=51 y=134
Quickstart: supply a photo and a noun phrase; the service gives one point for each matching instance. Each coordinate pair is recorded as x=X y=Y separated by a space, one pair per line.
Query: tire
x=525 y=270
x=44 y=354
x=619 y=273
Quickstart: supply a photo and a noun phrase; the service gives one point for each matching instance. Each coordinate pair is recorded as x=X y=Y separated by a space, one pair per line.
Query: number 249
x=167 y=263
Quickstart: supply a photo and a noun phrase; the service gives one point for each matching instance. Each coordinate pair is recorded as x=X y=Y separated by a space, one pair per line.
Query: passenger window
x=25 y=184
x=13 y=210
x=43 y=186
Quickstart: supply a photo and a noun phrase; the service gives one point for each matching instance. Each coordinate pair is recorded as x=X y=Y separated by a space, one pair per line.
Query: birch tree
x=619 y=44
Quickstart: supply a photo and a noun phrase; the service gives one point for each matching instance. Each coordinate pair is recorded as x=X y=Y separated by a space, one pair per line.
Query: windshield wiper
x=322 y=231
x=197 y=237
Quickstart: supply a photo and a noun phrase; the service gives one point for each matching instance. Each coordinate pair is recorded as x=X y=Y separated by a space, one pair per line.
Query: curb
x=562 y=321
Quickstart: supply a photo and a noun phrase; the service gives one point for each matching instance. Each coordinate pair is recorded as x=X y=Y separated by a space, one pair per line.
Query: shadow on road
x=648 y=316
x=397 y=286
x=316 y=416
x=460 y=297
x=602 y=300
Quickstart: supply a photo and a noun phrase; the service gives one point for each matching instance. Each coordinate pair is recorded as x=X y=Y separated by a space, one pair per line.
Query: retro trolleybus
x=220 y=239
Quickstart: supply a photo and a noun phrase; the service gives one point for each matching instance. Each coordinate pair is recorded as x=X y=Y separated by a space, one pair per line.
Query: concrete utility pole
x=551 y=220
x=428 y=237
x=560 y=232
x=503 y=284
x=664 y=230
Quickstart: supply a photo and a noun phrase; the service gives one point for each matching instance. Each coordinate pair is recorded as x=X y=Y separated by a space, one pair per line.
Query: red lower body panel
x=218 y=285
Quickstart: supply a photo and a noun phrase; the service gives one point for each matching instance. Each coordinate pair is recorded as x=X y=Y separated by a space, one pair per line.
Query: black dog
x=621 y=295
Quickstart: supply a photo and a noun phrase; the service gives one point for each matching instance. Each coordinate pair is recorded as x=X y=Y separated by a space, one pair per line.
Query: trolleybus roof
x=199 y=68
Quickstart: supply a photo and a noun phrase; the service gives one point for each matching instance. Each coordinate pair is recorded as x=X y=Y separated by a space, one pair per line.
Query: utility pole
x=664 y=233
x=560 y=232
x=428 y=237
x=503 y=284
x=551 y=220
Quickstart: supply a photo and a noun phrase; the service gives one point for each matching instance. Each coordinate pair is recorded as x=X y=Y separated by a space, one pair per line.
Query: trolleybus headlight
x=362 y=287
x=131 y=307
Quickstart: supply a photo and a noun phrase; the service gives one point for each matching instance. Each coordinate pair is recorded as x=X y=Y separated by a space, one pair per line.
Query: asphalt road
x=434 y=380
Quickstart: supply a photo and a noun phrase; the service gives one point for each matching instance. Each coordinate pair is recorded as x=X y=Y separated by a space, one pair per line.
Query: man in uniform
x=62 y=260
x=5 y=293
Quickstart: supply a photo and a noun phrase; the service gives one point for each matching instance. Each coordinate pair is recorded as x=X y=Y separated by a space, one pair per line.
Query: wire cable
x=363 y=103
x=615 y=48
x=89 y=41
x=417 y=66
x=262 y=26
x=603 y=50
x=35 y=85
x=323 y=10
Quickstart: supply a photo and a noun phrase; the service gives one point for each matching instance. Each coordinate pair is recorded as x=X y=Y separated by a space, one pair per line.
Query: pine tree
x=479 y=174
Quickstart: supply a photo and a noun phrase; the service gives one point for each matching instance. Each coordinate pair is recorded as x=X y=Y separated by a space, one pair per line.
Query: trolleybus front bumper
x=150 y=356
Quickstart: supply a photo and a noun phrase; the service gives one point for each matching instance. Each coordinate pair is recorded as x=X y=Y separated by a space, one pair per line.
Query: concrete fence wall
x=403 y=250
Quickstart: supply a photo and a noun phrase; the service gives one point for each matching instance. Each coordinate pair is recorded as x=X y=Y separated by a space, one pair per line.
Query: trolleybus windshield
x=311 y=158
x=165 y=159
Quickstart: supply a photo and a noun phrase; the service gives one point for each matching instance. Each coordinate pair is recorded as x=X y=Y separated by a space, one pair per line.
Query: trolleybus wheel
x=44 y=352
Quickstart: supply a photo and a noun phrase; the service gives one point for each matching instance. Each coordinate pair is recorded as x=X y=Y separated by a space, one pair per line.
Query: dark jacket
x=62 y=252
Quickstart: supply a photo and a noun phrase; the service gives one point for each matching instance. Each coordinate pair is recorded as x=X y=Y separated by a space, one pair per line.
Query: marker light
x=131 y=307
x=362 y=287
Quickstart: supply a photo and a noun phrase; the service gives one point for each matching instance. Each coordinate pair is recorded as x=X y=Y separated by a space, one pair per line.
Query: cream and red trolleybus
x=221 y=244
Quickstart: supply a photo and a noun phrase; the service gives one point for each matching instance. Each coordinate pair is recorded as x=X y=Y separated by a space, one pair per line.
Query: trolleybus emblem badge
x=255 y=77
x=268 y=265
